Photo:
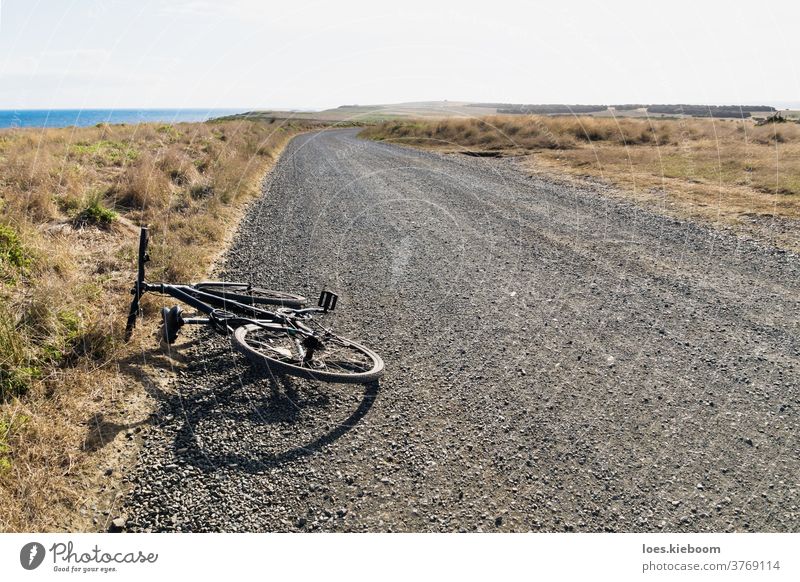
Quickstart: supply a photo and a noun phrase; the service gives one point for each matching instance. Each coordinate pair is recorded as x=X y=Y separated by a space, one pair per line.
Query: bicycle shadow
x=283 y=406
x=102 y=431
x=227 y=414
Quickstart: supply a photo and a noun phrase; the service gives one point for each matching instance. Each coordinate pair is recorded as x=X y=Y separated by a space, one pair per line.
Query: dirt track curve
x=556 y=361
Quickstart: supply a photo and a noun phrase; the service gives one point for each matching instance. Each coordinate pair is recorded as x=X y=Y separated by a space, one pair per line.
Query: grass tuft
x=96 y=214
x=17 y=371
x=10 y=426
x=13 y=257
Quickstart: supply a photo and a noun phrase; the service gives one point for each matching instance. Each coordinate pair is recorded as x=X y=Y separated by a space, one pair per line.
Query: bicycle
x=287 y=340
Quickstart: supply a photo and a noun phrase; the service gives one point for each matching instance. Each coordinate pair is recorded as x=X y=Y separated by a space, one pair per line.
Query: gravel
x=556 y=361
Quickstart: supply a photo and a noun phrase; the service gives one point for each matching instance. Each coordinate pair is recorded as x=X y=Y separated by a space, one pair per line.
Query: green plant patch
x=96 y=214
x=66 y=339
x=13 y=257
x=17 y=371
x=106 y=152
x=17 y=380
x=169 y=130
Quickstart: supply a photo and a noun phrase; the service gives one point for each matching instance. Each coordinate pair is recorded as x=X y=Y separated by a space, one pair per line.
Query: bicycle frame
x=222 y=319
x=289 y=341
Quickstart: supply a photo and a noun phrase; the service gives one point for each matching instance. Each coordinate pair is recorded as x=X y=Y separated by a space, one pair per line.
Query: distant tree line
x=739 y=111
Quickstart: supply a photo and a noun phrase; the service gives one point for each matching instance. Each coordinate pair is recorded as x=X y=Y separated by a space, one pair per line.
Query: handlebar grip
x=144 y=239
x=133 y=313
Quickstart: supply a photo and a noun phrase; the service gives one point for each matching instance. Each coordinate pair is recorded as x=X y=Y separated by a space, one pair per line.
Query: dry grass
x=726 y=171
x=70 y=203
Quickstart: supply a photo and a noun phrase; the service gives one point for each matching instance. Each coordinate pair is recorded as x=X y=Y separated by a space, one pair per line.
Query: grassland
x=730 y=172
x=71 y=201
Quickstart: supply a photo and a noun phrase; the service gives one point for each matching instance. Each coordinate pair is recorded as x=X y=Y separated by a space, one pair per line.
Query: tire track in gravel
x=556 y=361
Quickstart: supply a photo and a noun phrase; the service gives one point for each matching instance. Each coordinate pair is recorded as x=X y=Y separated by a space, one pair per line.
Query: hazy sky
x=247 y=53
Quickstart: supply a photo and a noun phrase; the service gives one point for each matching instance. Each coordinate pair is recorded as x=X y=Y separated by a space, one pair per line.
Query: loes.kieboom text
x=680 y=549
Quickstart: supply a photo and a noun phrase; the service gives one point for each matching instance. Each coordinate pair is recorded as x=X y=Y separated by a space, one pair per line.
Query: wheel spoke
x=340 y=357
x=334 y=359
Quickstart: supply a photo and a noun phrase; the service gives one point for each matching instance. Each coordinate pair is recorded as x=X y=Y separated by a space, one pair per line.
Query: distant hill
x=355 y=114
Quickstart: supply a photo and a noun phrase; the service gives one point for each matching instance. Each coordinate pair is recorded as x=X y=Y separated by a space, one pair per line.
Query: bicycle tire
x=244 y=293
x=366 y=365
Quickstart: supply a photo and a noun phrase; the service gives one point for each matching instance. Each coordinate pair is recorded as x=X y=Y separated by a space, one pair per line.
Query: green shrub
x=96 y=214
x=16 y=371
x=169 y=131
x=201 y=190
x=13 y=257
x=16 y=380
x=65 y=337
x=106 y=152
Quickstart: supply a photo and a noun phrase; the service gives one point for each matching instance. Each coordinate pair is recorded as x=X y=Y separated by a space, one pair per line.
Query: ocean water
x=88 y=117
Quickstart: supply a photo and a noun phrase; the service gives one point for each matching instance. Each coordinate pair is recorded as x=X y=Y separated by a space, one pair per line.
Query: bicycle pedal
x=172 y=321
x=327 y=300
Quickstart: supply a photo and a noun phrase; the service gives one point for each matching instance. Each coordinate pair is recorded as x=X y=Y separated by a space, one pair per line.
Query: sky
x=263 y=54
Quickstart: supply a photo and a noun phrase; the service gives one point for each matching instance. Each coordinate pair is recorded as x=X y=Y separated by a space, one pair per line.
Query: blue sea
x=88 y=117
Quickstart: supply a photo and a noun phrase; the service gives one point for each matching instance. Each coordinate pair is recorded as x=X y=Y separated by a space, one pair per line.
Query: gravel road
x=556 y=361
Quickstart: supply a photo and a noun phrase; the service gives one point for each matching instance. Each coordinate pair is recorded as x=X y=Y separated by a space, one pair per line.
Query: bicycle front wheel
x=244 y=293
x=336 y=360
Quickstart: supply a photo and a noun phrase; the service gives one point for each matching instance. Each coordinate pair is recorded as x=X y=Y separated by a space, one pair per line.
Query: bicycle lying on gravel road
x=288 y=340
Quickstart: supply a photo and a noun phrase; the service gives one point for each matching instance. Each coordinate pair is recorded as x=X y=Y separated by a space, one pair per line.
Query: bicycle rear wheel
x=244 y=293
x=336 y=360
